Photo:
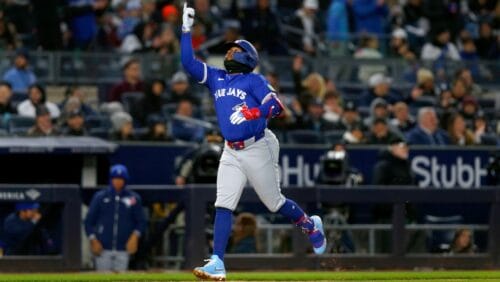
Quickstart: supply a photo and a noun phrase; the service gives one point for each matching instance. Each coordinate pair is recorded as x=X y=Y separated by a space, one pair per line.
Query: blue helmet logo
x=119 y=171
x=248 y=57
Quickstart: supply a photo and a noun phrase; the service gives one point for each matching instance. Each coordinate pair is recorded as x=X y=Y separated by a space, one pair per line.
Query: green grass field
x=268 y=276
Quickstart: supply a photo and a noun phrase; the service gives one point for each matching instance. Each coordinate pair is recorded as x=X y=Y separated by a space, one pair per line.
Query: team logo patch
x=129 y=201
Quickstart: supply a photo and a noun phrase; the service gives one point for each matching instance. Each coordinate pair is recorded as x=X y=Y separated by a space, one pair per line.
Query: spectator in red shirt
x=132 y=81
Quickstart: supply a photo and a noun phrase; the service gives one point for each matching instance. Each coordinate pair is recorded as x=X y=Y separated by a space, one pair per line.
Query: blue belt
x=240 y=145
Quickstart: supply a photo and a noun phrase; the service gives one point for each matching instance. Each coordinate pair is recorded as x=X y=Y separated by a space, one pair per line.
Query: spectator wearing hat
x=379 y=87
x=6 y=108
x=37 y=97
x=459 y=133
x=22 y=233
x=350 y=117
x=307 y=28
x=469 y=108
x=399 y=47
x=380 y=133
x=180 y=90
x=378 y=109
x=370 y=15
x=170 y=15
x=20 y=76
x=123 y=129
x=132 y=81
x=43 y=124
x=114 y=222
x=402 y=120
x=393 y=166
x=313 y=118
x=427 y=131
x=75 y=124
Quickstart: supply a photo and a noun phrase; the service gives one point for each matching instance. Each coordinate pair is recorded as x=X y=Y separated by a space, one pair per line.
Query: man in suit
x=427 y=132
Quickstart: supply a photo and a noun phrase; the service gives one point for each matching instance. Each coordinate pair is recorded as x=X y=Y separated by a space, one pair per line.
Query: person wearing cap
x=427 y=131
x=350 y=117
x=22 y=234
x=43 y=124
x=399 y=47
x=393 y=165
x=114 y=222
x=132 y=81
x=37 y=97
x=123 y=127
x=469 y=108
x=380 y=133
x=20 y=76
x=180 y=89
x=75 y=124
x=307 y=28
x=379 y=87
x=379 y=108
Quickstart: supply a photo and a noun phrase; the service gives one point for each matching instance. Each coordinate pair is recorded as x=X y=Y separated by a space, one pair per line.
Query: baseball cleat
x=317 y=237
x=214 y=270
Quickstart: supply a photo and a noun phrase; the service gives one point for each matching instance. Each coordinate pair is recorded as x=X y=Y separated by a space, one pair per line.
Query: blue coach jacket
x=112 y=217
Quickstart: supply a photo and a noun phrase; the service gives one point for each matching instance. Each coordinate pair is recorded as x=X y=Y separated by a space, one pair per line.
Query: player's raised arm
x=194 y=67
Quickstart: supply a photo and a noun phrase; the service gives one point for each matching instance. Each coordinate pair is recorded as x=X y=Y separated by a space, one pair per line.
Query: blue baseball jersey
x=230 y=92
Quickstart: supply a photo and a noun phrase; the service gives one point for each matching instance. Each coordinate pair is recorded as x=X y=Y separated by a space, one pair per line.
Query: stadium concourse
x=377 y=92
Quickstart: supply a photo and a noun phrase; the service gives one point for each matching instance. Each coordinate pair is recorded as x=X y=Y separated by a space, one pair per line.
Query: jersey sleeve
x=270 y=105
x=194 y=67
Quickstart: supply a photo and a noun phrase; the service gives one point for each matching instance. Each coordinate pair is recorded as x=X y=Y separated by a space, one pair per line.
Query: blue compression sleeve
x=271 y=108
x=293 y=212
x=222 y=231
x=194 y=67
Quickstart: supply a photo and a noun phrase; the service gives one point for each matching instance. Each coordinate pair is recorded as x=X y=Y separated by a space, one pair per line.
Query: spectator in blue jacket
x=20 y=76
x=22 y=234
x=369 y=15
x=114 y=223
x=427 y=132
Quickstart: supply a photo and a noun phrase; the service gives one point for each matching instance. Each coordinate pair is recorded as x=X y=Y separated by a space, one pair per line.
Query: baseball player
x=244 y=102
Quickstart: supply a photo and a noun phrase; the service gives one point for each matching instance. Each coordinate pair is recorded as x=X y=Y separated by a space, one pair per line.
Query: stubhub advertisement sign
x=450 y=168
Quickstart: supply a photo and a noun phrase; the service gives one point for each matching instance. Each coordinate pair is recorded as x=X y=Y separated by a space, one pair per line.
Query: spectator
x=43 y=124
x=399 y=45
x=209 y=16
x=368 y=49
x=8 y=36
x=22 y=233
x=166 y=43
x=20 y=76
x=469 y=109
x=140 y=39
x=487 y=44
x=179 y=89
x=200 y=164
x=6 y=108
x=458 y=132
x=393 y=166
x=426 y=85
x=380 y=87
x=258 y=23
x=184 y=126
x=123 y=129
x=75 y=124
x=463 y=242
x=37 y=97
x=337 y=26
x=415 y=23
x=151 y=103
x=81 y=19
x=354 y=135
x=170 y=15
x=114 y=222
x=370 y=16
x=378 y=109
x=131 y=20
x=80 y=94
x=466 y=76
x=198 y=36
x=311 y=88
x=380 y=133
x=444 y=15
x=459 y=90
x=157 y=130
x=402 y=120
x=440 y=48
x=132 y=81
x=306 y=28
x=244 y=239
x=313 y=119
x=427 y=132
x=350 y=117
x=469 y=56
x=332 y=107
x=217 y=45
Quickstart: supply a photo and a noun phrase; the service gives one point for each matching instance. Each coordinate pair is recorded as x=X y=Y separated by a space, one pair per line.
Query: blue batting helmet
x=248 y=57
x=119 y=171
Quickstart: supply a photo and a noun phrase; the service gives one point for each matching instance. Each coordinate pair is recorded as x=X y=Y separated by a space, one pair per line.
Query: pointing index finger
x=185 y=6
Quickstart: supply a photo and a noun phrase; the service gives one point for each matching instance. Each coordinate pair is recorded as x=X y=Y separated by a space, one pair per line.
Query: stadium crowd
x=451 y=48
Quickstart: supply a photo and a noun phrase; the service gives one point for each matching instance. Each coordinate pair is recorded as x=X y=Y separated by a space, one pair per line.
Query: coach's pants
x=112 y=261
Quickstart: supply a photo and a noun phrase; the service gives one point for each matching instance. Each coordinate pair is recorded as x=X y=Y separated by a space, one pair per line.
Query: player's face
x=231 y=51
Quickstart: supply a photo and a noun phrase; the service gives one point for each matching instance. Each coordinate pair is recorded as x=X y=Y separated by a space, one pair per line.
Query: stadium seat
x=439 y=241
x=129 y=99
x=304 y=136
x=19 y=125
x=489 y=139
x=97 y=121
x=333 y=136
